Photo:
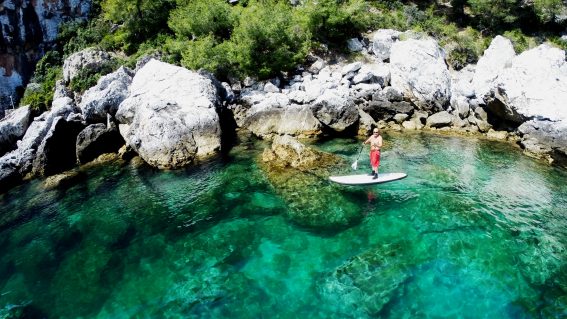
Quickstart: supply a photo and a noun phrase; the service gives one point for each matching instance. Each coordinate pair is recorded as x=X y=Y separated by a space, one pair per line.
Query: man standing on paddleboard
x=375 y=141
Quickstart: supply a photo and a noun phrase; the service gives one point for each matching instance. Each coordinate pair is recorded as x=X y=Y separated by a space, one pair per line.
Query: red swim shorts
x=375 y=158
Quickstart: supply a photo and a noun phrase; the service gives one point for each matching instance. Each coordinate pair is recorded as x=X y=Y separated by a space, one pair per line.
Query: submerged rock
x=170 y=116
x=62 y=180
x=367 y=282
x=287 y=151
x=299 y=175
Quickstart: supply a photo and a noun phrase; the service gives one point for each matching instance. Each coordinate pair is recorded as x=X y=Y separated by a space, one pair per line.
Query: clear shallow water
x=477 y=230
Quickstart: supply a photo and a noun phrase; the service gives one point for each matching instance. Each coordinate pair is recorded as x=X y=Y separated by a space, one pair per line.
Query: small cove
x=476 y=230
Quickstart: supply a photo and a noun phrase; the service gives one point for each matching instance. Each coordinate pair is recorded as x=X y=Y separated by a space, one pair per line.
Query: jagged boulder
x=294 y=119
x=170 y=115
x=56 y=153
x=534 y=85
x=105 y=97
x=419 y=71
x=497 y=57
x=440 y=119
x=89 y=58
x=545 y=139
x=13 y=127
x=335 y=109
x=382 y=41
x=269 y=114
x=97 y=139
x=17 y=163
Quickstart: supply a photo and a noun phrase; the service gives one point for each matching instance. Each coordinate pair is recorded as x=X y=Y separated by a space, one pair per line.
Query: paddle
x=355 y=164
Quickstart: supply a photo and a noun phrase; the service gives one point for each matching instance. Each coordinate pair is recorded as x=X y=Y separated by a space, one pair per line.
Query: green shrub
x=548 y=10
x=494 y=14
x=87 y=78
x=198 y=18
x=520 y=41
x=558 y=42
x=136 y=20
x=205 y=53
x=269 y=37
x=41 y=97
x=465 y=47
x=335 y=21
x=75 y=36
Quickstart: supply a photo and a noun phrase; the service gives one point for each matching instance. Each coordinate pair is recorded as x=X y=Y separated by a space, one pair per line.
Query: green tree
x=494 y=14
x=270 y=36
x=547 y=10
x=198 y=18
x=138 y=20
x=336 y=20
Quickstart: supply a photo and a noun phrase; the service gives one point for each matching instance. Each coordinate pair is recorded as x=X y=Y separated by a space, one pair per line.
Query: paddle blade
x=354 y=165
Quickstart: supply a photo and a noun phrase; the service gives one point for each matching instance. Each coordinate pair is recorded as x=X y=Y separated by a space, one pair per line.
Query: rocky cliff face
x=28 y=28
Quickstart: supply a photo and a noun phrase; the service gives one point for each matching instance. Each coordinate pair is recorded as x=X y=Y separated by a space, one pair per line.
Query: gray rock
x=317 y=66
x=16 y=164
x=97 y=139
x=248 y=81
x=335 y=109
x=63 y=102
x=13 y=127
x=461 y=105
x=461 y=82
x=89 y=58
x=534 y=85
x=365 y=123
x=61 y=91
x=56 y=153
x=400 y=118
x=365 y=91
x=351 y=68
x=498 y=56
x=382 y=41
x=545 y=139
x=480 y=119
x=105 y=97
x=440 y=119
x=354 y=45
x=268 y=120
x=419 y=71
x=170 y=116
x=271 y=88
x=389 y=94
x=229 y=96
x=373 y=73
x=382 y=109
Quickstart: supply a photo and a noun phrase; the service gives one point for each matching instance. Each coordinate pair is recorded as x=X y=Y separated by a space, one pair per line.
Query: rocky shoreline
x=171 y=117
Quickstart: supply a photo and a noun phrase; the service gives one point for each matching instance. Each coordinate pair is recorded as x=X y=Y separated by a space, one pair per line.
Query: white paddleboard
x=365 y=179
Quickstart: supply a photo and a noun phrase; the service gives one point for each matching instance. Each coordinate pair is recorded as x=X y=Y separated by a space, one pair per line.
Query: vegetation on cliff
x=264 y=37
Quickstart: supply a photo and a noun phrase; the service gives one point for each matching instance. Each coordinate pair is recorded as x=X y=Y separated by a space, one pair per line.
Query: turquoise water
x=477 y=230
